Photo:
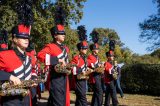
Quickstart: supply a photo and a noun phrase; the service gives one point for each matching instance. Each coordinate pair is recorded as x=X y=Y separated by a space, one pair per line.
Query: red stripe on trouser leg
x=30 y=98
x=67 y=93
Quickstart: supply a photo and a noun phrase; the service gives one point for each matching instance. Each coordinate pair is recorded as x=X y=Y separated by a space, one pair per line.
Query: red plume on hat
x=3 y=40
x=60 y=21
x=82 y=37
x=25 y=19
x=94 y=37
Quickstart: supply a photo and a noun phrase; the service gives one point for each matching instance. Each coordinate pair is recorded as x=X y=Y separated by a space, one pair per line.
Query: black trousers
x=34 y=96
x=97 y=98
x=16 y=101
x=57 y=93
x=80 y=91
x=111 y=91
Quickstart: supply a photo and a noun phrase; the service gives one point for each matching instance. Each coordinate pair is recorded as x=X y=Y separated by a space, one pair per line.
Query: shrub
x=141 y=78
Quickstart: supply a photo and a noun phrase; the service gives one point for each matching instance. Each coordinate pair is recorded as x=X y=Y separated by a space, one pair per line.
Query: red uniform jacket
x=50 y=55
x=93 y=64
x=107 y=72
x=81 y=64
x=11 y=63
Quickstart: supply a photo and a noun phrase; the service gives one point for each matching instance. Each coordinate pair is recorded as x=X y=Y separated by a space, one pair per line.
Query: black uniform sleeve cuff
x=53 y=60
x=96 y=65
x=79 y=70
x=4 y=75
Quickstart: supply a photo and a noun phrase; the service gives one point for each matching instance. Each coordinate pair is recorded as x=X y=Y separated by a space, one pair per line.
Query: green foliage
x=106 y=33
x=73 y=8
x=145 y=59
x=7 y=17
x=71 y=41
x=156 y=53
x=102 y=51
x=43 y=11
x=123 y=55
x=141 y=78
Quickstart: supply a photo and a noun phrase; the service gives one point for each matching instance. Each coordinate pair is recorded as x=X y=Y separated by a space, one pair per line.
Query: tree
x=150 y=29
x=144 y=59
x=71 y=41
x=156 y=53
x=105 y=34
x=126 y=55
x=44 y=11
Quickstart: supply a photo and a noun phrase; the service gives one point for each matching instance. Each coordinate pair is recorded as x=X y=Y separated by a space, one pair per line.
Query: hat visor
x=61 y=33
x=23 y=36
x=84 y=47
x=95 y=48
x=110 y=56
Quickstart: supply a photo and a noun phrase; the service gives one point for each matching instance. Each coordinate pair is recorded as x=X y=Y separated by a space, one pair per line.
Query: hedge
x=141 y=79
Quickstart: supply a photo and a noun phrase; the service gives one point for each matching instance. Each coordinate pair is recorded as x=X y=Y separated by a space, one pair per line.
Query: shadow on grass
x=118 y=105
x=42 y=103
x=156 y=98
x=73 y=102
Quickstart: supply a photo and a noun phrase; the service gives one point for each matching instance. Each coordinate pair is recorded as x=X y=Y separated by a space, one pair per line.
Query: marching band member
x=109 y=81
x=81 y=67
x=95 y=77
x=53 y=54
x=16 y=64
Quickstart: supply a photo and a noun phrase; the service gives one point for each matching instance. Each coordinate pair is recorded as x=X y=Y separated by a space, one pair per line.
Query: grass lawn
x=129 y=100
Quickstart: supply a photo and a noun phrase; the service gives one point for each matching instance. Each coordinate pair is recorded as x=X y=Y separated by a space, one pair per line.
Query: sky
x=121 y=15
